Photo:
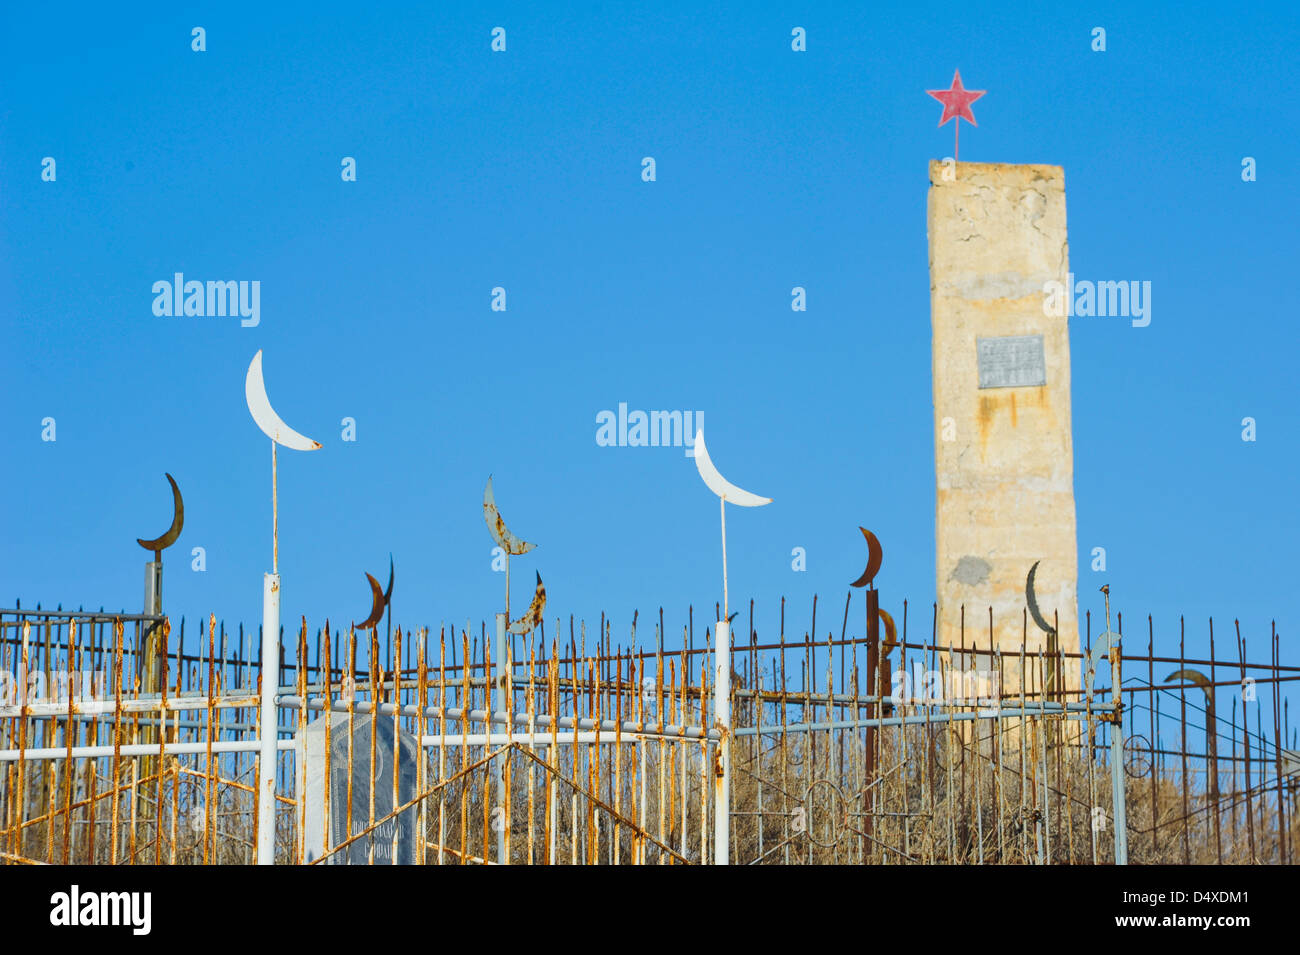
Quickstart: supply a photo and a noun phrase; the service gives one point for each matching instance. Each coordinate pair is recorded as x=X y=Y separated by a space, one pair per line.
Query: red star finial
x=956 y=102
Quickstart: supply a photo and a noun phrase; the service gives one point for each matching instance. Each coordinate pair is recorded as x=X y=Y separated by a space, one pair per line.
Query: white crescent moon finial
x=259 y=406
x=720 y=485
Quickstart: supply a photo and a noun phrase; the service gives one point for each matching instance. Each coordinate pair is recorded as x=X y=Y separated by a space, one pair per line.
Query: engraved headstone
x=404 y=756
x=1012 y=361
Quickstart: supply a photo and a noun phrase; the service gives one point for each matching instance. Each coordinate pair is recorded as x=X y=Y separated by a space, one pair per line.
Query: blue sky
x=522 y=170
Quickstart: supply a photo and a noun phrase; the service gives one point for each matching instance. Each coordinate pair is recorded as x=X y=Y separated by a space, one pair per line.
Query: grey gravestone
x=312 y=749
x=1015 y=361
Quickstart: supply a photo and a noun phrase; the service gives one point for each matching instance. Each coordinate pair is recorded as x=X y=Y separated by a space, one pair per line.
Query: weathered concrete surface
x=1004 y=457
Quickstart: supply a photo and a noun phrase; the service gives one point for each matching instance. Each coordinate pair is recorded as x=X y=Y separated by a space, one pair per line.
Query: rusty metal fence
x=576 y=750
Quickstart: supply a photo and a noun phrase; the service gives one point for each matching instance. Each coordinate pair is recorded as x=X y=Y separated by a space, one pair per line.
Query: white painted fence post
x=269 y=731
x=722 y=767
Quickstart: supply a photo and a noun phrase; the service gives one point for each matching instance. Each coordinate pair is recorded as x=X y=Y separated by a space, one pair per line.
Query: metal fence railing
x=575 y=750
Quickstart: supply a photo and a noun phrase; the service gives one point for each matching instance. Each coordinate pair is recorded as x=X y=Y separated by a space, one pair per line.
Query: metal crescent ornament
x=178 y=521
x=874 y=556
x=497 y=526
x=529 y=621
x=1032 y=601
x=388 y=591
x=259 y=406
x=1193 y=676
x=720 y=485
x=1201 y=680
x=1099 y=652
x=891 y=632
x=377 y=604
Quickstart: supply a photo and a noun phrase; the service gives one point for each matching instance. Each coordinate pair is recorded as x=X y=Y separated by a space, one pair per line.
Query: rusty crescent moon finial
x=1032 y=601
x=874 y=556
x=1194 y=676
x=377 y=604
x=511 y=544
x=533 y=616
x=178 y=521
x=891 y=632
x=388 y=591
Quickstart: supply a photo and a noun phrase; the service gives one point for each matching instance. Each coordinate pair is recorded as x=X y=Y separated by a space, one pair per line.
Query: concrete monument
x=1003 y=451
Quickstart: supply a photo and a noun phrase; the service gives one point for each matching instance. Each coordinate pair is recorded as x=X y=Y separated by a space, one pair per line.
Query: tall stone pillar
x=1004 y=461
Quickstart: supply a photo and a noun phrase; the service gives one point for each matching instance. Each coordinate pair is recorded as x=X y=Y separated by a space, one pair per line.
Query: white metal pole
x=1117 y=750
x=270 y=681
x=722 y=501
x=722 y=769
x=150 y=632
x=275 y=514
x=499 y=704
